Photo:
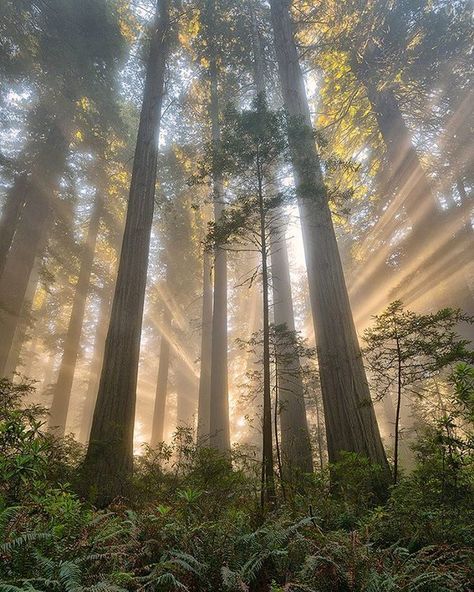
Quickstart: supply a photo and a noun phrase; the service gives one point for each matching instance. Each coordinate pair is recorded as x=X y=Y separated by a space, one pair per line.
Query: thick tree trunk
x=219 y=430
x=350 y=419
x=204 y=406
x=157 y=430
x=62 y=391
x=109 y=458
x=96 y=364
x=295 y=440
x=29 y=239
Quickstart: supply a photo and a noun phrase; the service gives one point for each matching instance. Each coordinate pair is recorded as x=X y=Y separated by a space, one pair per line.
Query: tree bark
x=219 y=430
x=186 y=390
x=350 y=419
x=295 y=439
x=204 y=406
x=62 y=390
x=109 y=458
x=96 y=363
x=157 y=431
x=268 y=484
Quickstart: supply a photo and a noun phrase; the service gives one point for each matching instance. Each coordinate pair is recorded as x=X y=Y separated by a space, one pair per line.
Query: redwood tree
x=350 y=419
x=109 y=458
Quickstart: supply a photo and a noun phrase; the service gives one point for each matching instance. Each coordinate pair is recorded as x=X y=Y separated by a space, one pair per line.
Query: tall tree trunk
x=204 y=405
x=350 y=419
x=295 y=439
x=219 y=430
x=30 y=238
x=109 y=458
x=157 y=430
x=96 y=363
x=268 y=480
x=186 y=395
x=62 y=391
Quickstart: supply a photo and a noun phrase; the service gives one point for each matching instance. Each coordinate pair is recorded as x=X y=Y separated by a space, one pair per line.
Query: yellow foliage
x=38 y=301
x=189 y=31
x=85 y=104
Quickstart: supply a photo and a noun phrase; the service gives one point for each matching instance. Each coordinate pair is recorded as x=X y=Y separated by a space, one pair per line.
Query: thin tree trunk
x=350 y=419
x=219 y=430
x=319 y=434
x=204 y=406
x=295 y=439
x=109 y=458
x=29 y=239
x=268 y=493
x=96 y=364
x=397 y=414
x=157 y=431
x=62 y=391
x=186 y=390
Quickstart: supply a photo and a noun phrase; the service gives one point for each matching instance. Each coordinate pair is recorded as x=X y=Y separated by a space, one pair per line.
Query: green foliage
x=193 y=521
x=28 y=455
x=410 y=347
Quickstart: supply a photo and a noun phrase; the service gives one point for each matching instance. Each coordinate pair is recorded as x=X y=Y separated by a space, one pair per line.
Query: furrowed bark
x=350 y=419
x=109 y=458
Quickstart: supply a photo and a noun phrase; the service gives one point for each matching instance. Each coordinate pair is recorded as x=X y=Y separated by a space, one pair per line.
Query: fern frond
x=25 y=539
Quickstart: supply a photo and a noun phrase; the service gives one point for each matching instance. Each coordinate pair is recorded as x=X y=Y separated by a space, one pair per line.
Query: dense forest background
x=236 y=295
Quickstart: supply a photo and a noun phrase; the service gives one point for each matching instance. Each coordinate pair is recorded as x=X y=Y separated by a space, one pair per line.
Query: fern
x=25 y=539
x=7 y=514
x=70 y=576
x=232 y=581
x=188 y=562
x=170 y=581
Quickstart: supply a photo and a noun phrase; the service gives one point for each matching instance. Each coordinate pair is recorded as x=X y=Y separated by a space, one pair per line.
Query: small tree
x=404 y=349
x=291 y=360
x=253 y=141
